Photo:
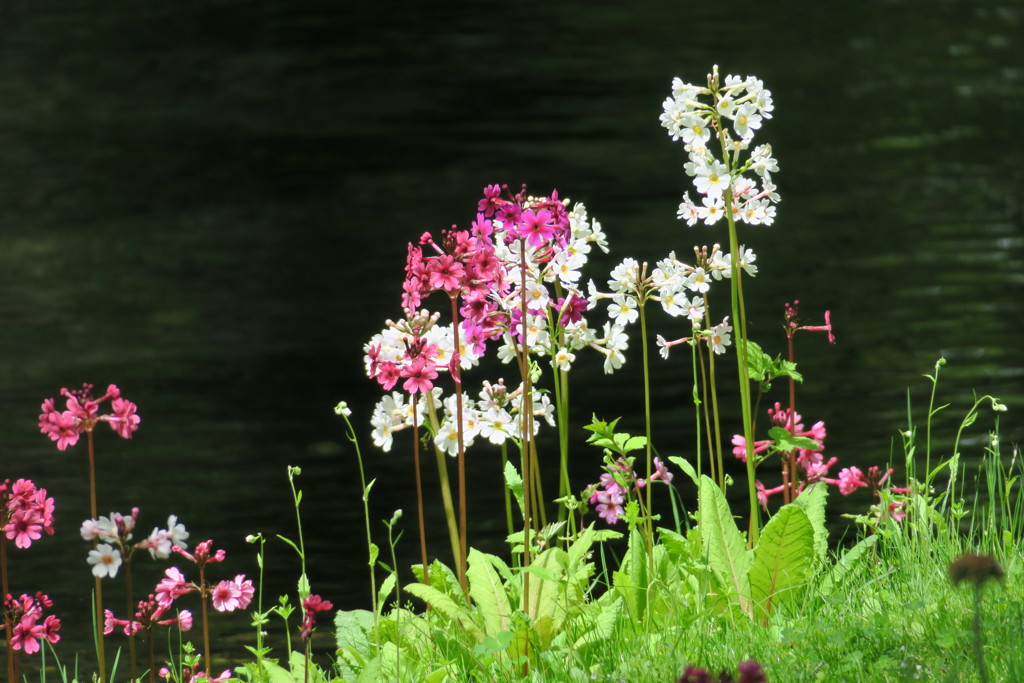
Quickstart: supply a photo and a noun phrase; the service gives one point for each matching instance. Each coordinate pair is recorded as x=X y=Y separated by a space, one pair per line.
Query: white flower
x=105 y=560
x=176 y=532
x=674 y=304
x=712 y=179
x=343 y=409
x=747 y=121
x=536 y=295
x=623 y=310
x=563 y=359
x=712 y=211
x=698 y=281
x=688 y=211
x=624 y=276
x=613 y=360
x=718 y=336
x=496 y=425
x=663 y=347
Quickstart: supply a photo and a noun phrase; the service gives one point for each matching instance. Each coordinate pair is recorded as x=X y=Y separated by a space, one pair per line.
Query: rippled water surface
x=208 y=204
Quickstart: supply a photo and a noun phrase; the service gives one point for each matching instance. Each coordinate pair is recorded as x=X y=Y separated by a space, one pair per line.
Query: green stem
x=457 y=372
x=419 y=492
x=100 y=648
x=369 y=539
x=739 y=315
x=649 y=520
x=130 y=611
x=446 y=491
x=508 y=492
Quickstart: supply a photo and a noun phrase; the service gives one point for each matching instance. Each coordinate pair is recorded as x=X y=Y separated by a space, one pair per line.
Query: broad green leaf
x=634 y=443
x=722 y=542
x=546 y=605
x=812 y=502
x=759 y=363
x=581 y=546
x=446 y=606
x=782 y=560
x=850 y=559
x=488 y=593
x=784 y=441
x=352 y=628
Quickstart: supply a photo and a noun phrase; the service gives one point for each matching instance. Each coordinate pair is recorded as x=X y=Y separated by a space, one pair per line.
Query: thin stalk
x=649 y=521
x=716 y=445
x=539 y=513
x=456 y=375
x=697 y=402
x=129 y=612
x=707 y=412
x=100 y=649
x=152 y=655
x=204 y=595
x=446 y=489
x=561 y=382
x=928 y=423
x=508 y=492
x=419 y=491
x=527 y=413
x=740 y=328
x=790 y=463
x=369 y=539
x=8 y=623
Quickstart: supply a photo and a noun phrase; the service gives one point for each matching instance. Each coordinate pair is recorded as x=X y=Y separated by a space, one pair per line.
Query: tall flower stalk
x=65 y=427
x=732 y=111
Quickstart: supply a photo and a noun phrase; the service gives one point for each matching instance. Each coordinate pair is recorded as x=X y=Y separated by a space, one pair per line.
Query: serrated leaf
x=759 y=363
x=514 y=482
x=351 y=628
x=446 y=606
x=602 y=626
x=812 y=501
x=488 y=593
x=722 y=542
x=545 y=606
x=782 y=559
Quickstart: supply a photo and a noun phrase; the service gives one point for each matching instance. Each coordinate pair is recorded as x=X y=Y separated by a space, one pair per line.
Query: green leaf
x=759 y=363
x=352 y=628
x=545 y=606
x=782 y=559
x=488 y=593
x=812 y=502
x=386 y=587
x=634 y=443
x=514 y=482
x=374 y=552
x=602 y=626
x=686 y=467
x=446 y=606
x=722 y=542
x=849 y=560
x=784 y=441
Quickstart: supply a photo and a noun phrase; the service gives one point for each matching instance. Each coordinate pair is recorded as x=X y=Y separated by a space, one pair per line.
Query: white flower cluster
x=496 y=416
x=732 y=112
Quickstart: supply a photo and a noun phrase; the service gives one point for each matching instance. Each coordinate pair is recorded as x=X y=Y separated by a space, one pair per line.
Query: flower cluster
x=24 y=616
x=227 y=596
x=732 y=112
x=115 y=533
x=148 y=614
x=82 y=415
x=792 y=326
x=495 y=416
x=520 y=250
x=25 y=512
x=310 y=606
x=616 y=484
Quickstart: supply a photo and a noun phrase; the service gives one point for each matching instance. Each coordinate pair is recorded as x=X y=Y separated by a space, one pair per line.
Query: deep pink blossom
x=82 y=415
x=418 y=376
x=311 y=605
x=850 y=478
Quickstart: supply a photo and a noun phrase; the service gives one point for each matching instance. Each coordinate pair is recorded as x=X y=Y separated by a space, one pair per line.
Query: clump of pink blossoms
x=617 y=483
x=82 y=414
x=24 y=616
x=25 y=512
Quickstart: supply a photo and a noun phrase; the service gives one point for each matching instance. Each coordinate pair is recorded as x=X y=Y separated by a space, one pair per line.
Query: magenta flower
x=172 y=587
x=537 y=227
x=418 y=375
x=850 y=478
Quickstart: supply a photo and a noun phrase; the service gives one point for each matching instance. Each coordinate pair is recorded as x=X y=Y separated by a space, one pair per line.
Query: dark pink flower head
x=571 y=309
x=445 y=272
x=536 y=227
x=850 y=478
x=26 y=614
x=491 y=201
x=124 y=421
x=419 y=374
x=312 y=604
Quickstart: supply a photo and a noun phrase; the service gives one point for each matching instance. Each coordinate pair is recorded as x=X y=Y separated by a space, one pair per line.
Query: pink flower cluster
x=29 y=625
x=616 y=483
x=25 y=512
x=311 y=605
x=793 y=423
x=82 y=415
x=147 y=615
x=227 y=596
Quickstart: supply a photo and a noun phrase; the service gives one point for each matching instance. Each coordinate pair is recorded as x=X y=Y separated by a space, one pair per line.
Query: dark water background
x=208 y=203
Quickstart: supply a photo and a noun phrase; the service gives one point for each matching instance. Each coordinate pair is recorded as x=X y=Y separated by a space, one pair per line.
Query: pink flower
x=536 y=227
x=418 y=374
x=228 y=596
x=170 y=588
x=124 y=421
x=185 y=620
x=849 y=479
x=25 y=526
x=312 y=604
